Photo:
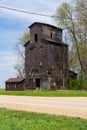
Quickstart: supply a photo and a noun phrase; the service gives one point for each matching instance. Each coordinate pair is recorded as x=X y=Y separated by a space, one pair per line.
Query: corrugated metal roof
x=18 y=79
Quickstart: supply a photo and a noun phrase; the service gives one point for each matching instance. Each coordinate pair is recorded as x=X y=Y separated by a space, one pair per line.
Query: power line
x=33 y=13
x=24 y=11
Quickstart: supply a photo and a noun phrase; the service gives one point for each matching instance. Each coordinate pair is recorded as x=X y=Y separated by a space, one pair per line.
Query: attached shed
x=15 y=84
x=72 y=75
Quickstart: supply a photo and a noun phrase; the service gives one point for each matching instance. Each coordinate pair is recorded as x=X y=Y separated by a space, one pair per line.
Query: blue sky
x=13 y=25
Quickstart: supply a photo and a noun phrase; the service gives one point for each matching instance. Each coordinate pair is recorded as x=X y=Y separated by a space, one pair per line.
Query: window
x=51 y=35
x=15 y=85
x=8 y=85
x=36 y=37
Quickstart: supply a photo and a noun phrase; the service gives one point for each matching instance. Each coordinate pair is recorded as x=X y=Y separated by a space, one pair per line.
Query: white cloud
x=7 y=61
x=9 y=38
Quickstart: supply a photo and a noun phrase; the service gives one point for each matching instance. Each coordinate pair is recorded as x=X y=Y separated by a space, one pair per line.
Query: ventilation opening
x=37 y=83
x=36 y=37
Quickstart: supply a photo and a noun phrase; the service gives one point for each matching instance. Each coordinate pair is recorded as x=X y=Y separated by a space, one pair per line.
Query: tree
x=81 y=14
x=70 y=18
x=20 y=63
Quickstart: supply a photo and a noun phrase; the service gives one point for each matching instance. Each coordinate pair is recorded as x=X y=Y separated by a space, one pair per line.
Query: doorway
x=37 y=83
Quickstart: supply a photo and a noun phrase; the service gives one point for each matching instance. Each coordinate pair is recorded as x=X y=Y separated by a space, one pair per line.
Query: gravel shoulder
x=69 y=106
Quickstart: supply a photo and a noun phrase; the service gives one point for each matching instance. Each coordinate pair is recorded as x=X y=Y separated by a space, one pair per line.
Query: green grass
x=46 y=93
x=18 y=120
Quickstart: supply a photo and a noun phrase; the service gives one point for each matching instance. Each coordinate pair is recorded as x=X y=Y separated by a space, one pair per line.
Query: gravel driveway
x=69 y=106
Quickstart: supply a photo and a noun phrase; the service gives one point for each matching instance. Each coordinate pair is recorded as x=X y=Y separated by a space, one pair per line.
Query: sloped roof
x=18 y=79
x=72 y=72
x=26 y=43
x=54 y=42
x=44 y=24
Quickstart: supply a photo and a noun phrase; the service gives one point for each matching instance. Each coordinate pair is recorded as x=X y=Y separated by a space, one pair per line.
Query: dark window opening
x=38 y=83
x=36 y=37
x=49 y=73
x=51 y=35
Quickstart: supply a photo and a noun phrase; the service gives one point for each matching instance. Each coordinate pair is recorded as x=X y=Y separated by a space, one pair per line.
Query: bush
x=84 y=84
x=77 y=84
x=73 y=84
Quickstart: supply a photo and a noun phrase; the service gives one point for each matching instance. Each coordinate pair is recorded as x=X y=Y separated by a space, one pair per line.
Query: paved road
x=70 y=106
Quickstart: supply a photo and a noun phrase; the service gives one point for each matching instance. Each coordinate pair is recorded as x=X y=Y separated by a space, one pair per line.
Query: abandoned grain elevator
x=46 y=58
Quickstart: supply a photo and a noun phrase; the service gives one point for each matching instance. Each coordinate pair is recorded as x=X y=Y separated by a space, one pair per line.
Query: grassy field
x=18 y=120
x=46 y=93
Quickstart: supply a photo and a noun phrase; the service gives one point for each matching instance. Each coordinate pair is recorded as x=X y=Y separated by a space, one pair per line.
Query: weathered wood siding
x=15 y=86
x=46 y=58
